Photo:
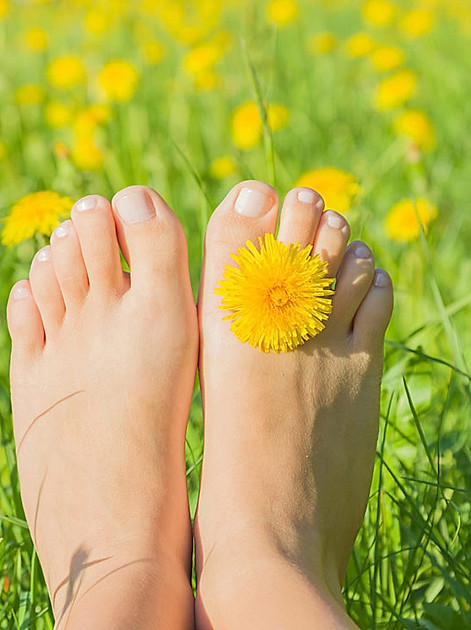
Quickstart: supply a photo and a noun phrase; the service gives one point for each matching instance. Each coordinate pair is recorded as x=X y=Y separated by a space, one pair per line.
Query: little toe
x=151 y=239
x=331 y=240
x=374 y=313
x=300 y=216
x=94 y=223
x=46 y=291
x=24 y=321
x=353 y=281
x=69 y=265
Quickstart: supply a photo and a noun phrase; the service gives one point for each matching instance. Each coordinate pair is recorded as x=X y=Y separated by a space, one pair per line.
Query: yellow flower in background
x=66 y=72
x=395 y=91
x=322 y=43
x=278 y=295
x=417 y=126
x=118 y=80
x=153 y=52
x=91 y=117
x=401 y=222
x=97 y=21
x=58 y=115
x=386 y=58
x=417 y=22
x=282 y=12
x=204 y=57
x=222 y=167
x=207 y=81
x=360 y=45
x=379 y=12
x=247 y=126
x=30 y=94
x=37 y=213
x=86 y=154
x=4 y=8
x=338 y=188
x=36 y=39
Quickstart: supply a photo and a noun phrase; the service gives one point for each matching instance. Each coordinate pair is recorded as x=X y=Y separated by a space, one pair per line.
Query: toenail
x=135 y=207
x=21 y=292
x=320 y=204
x=62 y=230
x=87 y=203
x=306 y=196
x=362 y=251
x=381 y=279
x=44 y=254
x=335 y=220
x=252 y=203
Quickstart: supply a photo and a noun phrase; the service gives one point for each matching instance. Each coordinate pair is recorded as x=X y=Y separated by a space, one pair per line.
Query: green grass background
x=411 y=563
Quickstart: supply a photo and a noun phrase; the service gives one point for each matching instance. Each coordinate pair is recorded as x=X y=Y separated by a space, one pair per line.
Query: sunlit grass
x=411 y=564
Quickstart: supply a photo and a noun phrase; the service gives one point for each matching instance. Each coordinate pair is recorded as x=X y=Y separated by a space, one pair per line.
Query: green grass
x=411 y=564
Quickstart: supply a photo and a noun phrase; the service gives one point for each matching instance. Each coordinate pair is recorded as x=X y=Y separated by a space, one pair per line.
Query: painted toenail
x=381 y=279
x=252 y=203
x=62 y=230
x=87 y=203
x=21 y=292
x=135 y=207
x=44 y=254
x=361 y=251
x=306 y=196
x=335 y=220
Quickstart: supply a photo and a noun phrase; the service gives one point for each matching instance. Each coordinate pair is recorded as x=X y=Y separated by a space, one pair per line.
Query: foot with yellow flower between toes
x=102 y=374
x=291 y=409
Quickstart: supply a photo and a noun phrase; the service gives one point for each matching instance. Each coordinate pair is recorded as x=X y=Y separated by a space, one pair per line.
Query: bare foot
x=102 y=374
x=289 y=438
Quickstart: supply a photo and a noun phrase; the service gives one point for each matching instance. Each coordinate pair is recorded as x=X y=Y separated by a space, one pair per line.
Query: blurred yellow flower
x=4 y=8
x=401 y=223
x=202 y=58
x=153 y=52
x=360 y=45
x=417 y=126
x=58 y=115
x=247 y=126
x=86 y=154
x=417 y=22
x=208 y=80
x=222 y=167
x=90 y=117
x=118 y=80
x=282 y=12
x=36 y=39
x=66 y=72
x=379 y=12
x=322 y=43
x=338 y=188
x=30 y=94
x=395 y=90
x=96 y=21
x=37 y=213
x=386 y=58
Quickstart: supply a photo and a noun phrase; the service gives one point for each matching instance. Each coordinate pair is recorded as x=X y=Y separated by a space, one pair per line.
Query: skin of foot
x=289 y=438
x=102 y=374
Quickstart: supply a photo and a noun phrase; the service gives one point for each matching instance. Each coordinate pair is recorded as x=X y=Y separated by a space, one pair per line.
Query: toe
x=94 y=223
x=46 y=291
x=353 y=281
x=24 y=320
x=374 y=313
x=69 y=265
x=331 y=240
x=300 y=216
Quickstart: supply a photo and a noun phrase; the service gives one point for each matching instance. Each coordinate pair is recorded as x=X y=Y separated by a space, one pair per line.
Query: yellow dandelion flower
x=86 y=154
x=387 y=58
x=37 y=213
x=118 y=80
x=57 y=115
x=96 y=21
x=279 y=295
x=282 y=12
x=222 y=167
x=360 y=45
x=277 y=116
x=36 y=39
x=30 y=94
x=401 y=222
x=337 y=187
x=247 y=126
x=417 y=126
x=417 y=22
x=395 y=91
x=322 y=43
x=153 y=52
x=379 y=12
x=91 y=117
x=66 y=72
x=4 y=8
x=207 y=81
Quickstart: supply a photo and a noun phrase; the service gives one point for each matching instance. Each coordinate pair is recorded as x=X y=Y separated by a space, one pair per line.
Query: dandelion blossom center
x=278 y=296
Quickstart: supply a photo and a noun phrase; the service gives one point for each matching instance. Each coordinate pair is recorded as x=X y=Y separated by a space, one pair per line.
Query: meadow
x=366 y=101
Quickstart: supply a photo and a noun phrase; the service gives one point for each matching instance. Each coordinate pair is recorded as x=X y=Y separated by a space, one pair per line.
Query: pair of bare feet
x=102 y=374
